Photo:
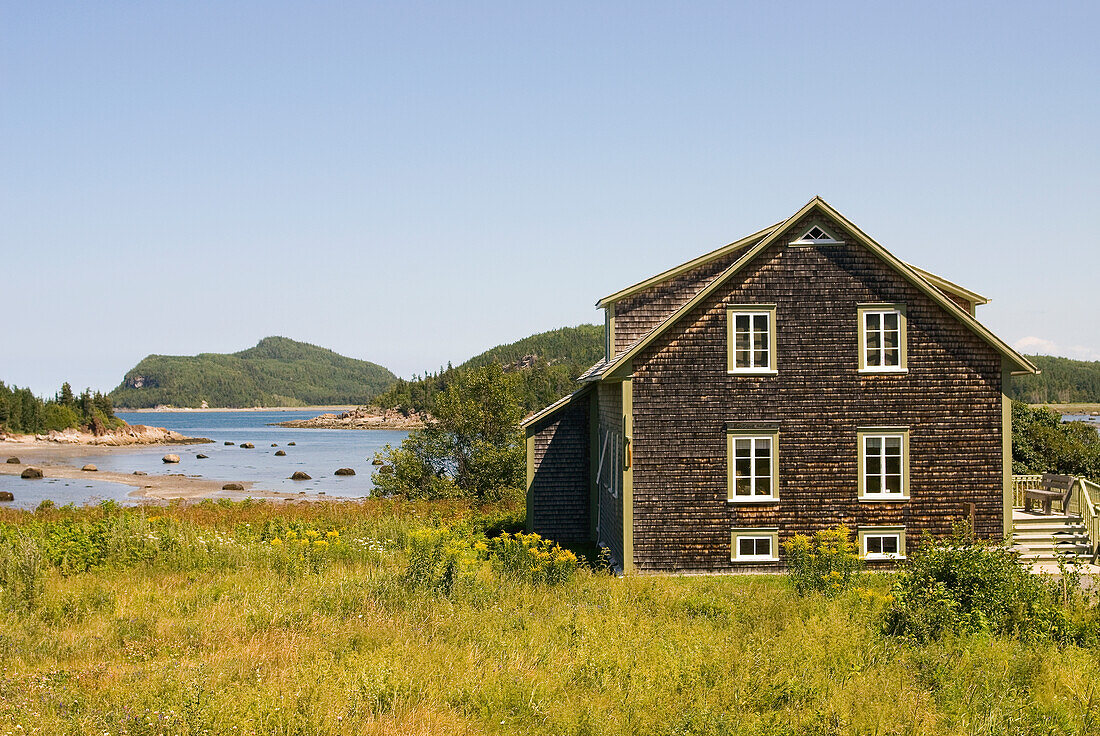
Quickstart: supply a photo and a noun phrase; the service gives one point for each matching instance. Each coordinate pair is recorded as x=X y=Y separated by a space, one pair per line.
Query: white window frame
x=866 y=533
x=771 y=436
x=755 y=533
x=807 y=240
x=610 y=464
x=883 y=433
x=752 y=311
x=864 y=311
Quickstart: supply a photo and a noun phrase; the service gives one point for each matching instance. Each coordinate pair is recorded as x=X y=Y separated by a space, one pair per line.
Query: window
x=753 y=465
x=751 y=339
x=882 y=338
x=755 y=545
x=609 y=475
x=883 y=464
x=882 y=543
x=816 y=235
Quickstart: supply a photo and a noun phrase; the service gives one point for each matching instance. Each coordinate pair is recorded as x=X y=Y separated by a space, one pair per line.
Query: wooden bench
x=1053 y=488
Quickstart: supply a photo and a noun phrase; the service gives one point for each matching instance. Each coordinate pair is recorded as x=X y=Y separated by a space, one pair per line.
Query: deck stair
x=1043 y=538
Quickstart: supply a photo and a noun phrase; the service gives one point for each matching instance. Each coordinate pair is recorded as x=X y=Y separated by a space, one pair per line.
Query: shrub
x=531 y=558
x=968 y=586
x=438 y=559
x=825 y=564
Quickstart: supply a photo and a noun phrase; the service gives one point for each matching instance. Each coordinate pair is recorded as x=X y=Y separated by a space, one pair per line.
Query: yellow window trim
x=903 y=357
x=752 y=309
x=861 y=434
x=734 y=433
x=769 y=532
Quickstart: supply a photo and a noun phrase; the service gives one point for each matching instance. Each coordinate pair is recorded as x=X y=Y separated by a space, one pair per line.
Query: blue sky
x=413 y=182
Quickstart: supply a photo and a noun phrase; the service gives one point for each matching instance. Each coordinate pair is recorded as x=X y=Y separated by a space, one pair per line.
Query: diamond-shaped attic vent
x=816 y=233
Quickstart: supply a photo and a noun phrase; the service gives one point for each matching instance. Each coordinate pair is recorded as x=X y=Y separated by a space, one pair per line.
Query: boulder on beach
x=247 y=446
x=171 y=458
x=345 y=471
x=299 y=475
x=90 y=468
x=13 y=461
x=228 y=443
x=140 y=472
x=232 y=487
x=200 y=456
x=6 y=496
x=280 y=453
x=31 y=473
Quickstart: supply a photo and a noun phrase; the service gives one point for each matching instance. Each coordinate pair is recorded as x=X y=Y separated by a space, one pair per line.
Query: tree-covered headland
x=21 y=412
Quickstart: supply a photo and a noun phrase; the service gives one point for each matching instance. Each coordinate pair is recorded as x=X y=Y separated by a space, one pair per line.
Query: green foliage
x=438 y=559
x=21 y=412
x=1043 y=443
x=473 y=448
x=1062 y=381
x=545 y=367
x=966 y=586
x=276 y=372
x=825 y=564
x=532 y=559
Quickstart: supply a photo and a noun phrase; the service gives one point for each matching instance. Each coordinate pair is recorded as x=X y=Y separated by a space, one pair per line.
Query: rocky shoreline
x=363 y=417
x=130 y=435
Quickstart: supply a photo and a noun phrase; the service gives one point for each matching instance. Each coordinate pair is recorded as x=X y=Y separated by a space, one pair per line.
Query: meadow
x=395 y=617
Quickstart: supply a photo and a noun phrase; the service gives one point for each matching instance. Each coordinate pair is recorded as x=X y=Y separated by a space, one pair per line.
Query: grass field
x=194 y=621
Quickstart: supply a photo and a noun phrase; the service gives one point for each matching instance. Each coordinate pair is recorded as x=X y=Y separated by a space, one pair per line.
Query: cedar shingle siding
x=559 y=492
x=684 y=400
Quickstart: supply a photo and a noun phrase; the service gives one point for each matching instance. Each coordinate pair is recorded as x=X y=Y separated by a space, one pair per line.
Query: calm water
x=317 y=452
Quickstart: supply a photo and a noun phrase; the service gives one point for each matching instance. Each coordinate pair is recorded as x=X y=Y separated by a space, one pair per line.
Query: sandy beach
x=54 y=460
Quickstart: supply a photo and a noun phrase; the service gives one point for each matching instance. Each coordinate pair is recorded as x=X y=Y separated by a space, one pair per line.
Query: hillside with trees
x=546 y=367
x=21 y=412
x=1062 y=381
x=276 y=372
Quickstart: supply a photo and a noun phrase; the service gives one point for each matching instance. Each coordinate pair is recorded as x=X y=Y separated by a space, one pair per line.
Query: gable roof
x=621 y=362
x=561 y=403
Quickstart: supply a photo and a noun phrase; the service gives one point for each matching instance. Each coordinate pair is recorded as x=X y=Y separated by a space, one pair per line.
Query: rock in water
x=345 y=471
x=31 y=473
x=228 y=443
x=376 y=461
x=171 y=458
x=274 y=444
x=247 y=446
x=200 y=456
x=299 y=475
x=13 y=461
x=90 y=468
x=6 y=496
x=140 y=472
x=291 y=444
x=232 y=487
x=280 y=453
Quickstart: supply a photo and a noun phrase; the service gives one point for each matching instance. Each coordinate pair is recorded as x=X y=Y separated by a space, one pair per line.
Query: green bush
x=825 y=564
x=530 y=558
x=439 y=559
x=969 y=586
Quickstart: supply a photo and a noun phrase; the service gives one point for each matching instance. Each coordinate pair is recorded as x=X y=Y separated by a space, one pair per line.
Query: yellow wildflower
x=333 y=534
x=313 y=533
x=276 y=542
x=320 y=543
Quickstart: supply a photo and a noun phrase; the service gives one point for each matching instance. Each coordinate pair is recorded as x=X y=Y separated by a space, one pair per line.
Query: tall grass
x=211 y=633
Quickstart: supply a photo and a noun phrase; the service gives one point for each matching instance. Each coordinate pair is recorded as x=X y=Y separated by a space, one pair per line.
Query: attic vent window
x=816 y=236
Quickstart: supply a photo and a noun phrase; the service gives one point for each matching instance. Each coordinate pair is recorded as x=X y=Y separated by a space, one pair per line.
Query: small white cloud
x=1042 y=346
x=1036 y=346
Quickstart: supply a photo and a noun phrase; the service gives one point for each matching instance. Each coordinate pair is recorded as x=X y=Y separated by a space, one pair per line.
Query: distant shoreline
x=188 y=410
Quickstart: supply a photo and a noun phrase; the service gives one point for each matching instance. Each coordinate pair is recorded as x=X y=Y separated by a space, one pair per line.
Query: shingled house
x=796 y=379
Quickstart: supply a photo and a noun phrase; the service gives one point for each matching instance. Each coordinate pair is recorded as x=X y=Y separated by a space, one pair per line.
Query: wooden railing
x=1082 y=504
x=1021 y=483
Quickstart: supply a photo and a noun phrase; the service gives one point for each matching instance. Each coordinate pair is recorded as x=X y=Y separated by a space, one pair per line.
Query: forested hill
x=545 y=367
x=277 y=372
x=1062 y=381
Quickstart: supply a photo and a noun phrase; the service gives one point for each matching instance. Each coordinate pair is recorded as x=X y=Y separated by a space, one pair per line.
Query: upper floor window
x=816 y=235
x=751 y=339
x=882 y=338
x=883 y=464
